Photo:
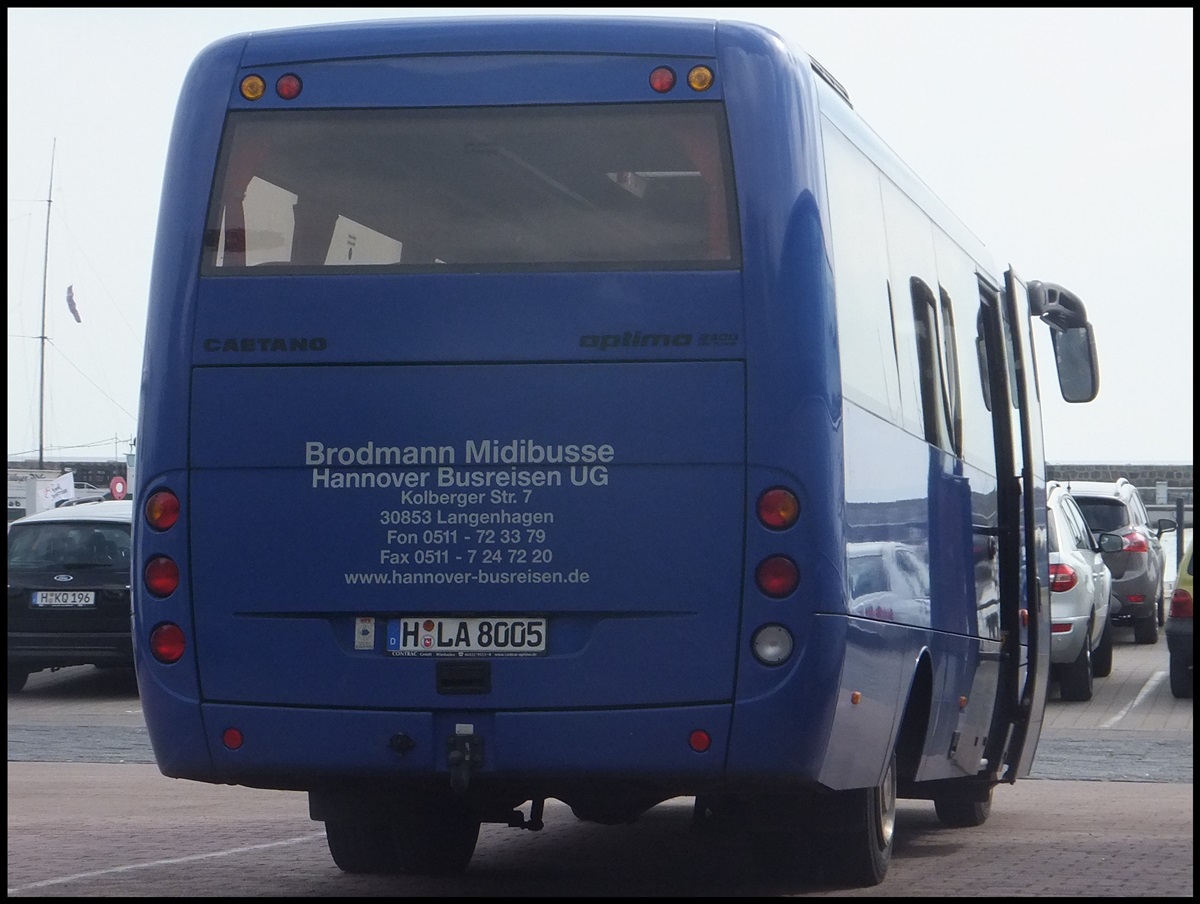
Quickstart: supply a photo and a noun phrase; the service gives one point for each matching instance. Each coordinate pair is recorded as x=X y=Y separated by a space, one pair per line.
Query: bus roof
x=488 y=34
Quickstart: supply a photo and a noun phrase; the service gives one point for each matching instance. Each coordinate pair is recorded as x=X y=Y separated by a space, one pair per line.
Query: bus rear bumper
x=295 y=748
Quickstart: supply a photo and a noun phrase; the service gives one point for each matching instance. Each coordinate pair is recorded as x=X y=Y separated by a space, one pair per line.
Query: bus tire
x=362 y=847
x=437 y=839
x=860 y=856
x=957 y=813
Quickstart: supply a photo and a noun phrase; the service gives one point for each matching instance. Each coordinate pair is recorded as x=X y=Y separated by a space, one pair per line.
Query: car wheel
x=1145 y=630
x=17 y=677
x=1102 y=656
x=1075 y=679
x=1181 y=677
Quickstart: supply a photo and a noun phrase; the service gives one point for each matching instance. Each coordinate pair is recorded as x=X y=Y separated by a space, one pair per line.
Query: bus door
x=1024 y=615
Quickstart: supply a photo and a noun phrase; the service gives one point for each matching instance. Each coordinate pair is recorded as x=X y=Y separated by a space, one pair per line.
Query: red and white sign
x=117 y=487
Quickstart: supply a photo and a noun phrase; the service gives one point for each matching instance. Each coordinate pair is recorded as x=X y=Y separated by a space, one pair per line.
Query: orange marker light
x=253 y=87
x=700 y=78
x=778 y=508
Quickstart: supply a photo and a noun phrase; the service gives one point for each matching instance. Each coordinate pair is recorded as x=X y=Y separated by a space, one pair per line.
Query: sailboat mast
x=42 y=337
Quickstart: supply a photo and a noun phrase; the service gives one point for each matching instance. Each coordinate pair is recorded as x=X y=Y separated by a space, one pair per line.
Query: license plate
x=516 y=635
x=64 y=598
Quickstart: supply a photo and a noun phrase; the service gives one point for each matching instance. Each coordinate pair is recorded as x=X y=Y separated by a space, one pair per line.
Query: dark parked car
x=1137 y=569
x=1179 y=629
x=68 y=589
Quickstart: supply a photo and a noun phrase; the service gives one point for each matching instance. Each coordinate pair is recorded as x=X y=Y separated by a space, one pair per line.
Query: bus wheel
x=860 y=856
x=437 y=838
x=957 y=813
x=420 y=841
x=361 y=847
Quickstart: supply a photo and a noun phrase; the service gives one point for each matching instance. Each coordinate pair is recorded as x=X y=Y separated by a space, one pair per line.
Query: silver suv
x=1137 y=569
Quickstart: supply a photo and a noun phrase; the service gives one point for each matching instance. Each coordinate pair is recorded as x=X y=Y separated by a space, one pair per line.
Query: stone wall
x=1144 y=477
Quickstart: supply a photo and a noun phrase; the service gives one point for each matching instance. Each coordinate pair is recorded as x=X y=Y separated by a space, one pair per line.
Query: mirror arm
x=1059 y=308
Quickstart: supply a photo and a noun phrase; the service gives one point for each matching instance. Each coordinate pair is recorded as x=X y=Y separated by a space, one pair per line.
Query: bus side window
x=924 y=307
x=982 y=355
x=951 y=383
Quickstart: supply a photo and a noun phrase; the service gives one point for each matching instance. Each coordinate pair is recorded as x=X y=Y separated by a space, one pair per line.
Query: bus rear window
x=623 y=186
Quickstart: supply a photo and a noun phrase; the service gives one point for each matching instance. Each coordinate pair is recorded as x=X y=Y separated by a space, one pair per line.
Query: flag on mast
x=71 y=304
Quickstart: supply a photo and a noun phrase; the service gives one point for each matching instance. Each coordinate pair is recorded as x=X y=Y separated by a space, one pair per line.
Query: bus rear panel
x=492 y=448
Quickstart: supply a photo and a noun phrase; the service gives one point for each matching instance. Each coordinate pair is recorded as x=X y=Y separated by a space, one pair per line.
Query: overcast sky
x=1062 y=138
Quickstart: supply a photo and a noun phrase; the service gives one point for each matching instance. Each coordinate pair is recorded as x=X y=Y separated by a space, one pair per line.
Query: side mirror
x=1111 y=542
x=1165 y=524
x=1078 y=367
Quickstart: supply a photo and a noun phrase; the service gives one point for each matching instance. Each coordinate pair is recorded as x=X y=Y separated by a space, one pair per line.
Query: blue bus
x=586 y=409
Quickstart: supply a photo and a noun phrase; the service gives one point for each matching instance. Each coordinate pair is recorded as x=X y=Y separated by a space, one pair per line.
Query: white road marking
x=1147 y=689
x=63 y=880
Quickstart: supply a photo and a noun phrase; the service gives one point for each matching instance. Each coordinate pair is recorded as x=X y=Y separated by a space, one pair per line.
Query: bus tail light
x=232 y=738
x=662 y=79
x=700 y=740
x=288 y=87
x=167 y=643
x=162 y=576
x=162 y=510
x=778 y=508
x=1062 y=577
x=772 y=644
x=777 y=576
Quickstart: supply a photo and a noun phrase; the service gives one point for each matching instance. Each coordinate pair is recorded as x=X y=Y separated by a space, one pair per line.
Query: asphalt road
x=1106 y=812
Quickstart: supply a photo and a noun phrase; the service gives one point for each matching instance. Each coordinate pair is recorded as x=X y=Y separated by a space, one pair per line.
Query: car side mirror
x=1111 y=542
x=1166 y=524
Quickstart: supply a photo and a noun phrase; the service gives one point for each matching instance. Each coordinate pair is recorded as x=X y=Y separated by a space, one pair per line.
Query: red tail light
x=1181 y=604
x=167 y=643
x=1062 y=577
x=662 y=79
x=1135 y=542
x=777 y=576
x=162 y=576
